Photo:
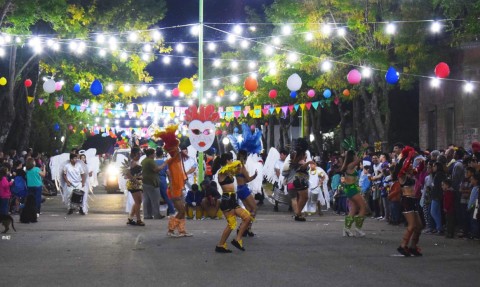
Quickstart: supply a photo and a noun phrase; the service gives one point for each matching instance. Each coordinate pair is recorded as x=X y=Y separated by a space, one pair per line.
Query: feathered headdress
x=300 y=145
x=408 y=154
x=252 y=142
x=168 y=137
x=203 y=113
x=231 y=168
x=349 y=143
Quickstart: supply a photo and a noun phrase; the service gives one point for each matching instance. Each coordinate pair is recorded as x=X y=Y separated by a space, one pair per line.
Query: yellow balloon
x=121 y=89
x=185 y=86
x=221 y=92
x=246 y=93
x=179 y=136
x=3 y=81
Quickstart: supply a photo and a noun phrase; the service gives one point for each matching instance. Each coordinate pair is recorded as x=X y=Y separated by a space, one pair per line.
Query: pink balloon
x=176 y=92
x=336 y=101
x=252 y=127
x=354 y=77
x=311 y=93
x=58 y=86
x=272 y=94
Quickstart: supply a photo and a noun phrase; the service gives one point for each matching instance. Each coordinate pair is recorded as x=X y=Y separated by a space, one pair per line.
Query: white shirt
x=188 y=164
x=74 y=173
x=278 y=166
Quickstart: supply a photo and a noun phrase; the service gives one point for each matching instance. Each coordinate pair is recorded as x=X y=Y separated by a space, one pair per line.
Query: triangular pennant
x=237 y=114
x=271 y=110
x=315 y=104
x=285 y=109
x=57 y=104
x=227 y=123
x=296 y=106
x=267 y=106
x=302 y=106
x=65 y=106
x=72 y=107
x=290 y=107
x=40 y=101
x=278 y=109
x=308 y=105
x=245 y=113
x=79 y=108
x=265 y=112
x=30 y=99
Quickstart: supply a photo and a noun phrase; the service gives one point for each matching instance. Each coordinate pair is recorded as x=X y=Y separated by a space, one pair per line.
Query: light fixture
x=180 y=48
x=468 y=87
x=326 y=66
x=390 y=29
x=166 y=60
x=212 y=46
x=434 y=82
x=436 y=27
x=366 y=72
x=286 y=30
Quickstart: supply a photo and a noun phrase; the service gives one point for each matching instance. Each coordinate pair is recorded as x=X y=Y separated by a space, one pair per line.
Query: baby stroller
x=76 y=201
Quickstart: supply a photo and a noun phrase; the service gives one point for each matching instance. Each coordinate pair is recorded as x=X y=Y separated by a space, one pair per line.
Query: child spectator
x=386 y=179
x=5 y=193
x=211 y=201
x=474 y=223
x=365 y=184
x=449 y=207
x=193 y=201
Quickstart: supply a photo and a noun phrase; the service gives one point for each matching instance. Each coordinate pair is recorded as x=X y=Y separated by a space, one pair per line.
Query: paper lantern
x=175 y=92
x=442 y=70
x=3 y=81
x=250 y=84
x=293 y=94
x=392 y=76
x=49 y=86
x=96 y=88
x=185 y=86
x=58 y=86
x=327 y=93
x=28 y=83
x=346 y=93
x=294 y=82
x=76 y=88
x=272 y=94
x=221 y=92
x=354 y=77
x=311 y=93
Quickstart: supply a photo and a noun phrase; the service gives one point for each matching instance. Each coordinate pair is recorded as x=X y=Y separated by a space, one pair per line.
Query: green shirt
x=150 y=177
x=33 y=177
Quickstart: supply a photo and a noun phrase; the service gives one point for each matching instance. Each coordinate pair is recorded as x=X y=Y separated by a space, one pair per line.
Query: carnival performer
x=352 y=191
x=229 y=202
x=177 y=179
x=405 y=174
x=133 y=173
x=243 y=192
x=75 y=177
x=295 y=170
x=317 y=190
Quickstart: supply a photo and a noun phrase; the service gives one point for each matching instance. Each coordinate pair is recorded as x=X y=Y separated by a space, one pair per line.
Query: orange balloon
x=221 y=92
x=250 y=84
x=346 y=92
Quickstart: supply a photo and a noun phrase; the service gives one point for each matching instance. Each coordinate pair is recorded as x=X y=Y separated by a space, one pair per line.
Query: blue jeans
x=163 y=193
x=37 y=192
x=436 y=212
x=395 y=212
x=4 y=206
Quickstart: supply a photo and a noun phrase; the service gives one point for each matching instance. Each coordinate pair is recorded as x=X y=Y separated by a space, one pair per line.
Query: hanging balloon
x=235 y=130
x=58 y=86
x=246 y=93
x=294 y=82
x=252 y=127
x=336 y=101
x=272 y=94
x=56 y=127
x=392 y=76
x=3 y=81
x=185 y=86
x=221 y=92
x=293 y=94
x=49 y=86
x=218 y=132
x=354 y=77
x=442 y=70
x=28 y=83
x=327 y=93
x=311 y=93
x=96 y=88
x=76 y=88
x=121 y=90
x=250 y=84
x=346 y=93
x=175 y=92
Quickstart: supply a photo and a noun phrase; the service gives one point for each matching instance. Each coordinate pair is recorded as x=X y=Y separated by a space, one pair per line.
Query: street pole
x=200 y=81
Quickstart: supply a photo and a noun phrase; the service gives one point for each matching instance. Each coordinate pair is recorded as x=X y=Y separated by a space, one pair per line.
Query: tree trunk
x=6 y=101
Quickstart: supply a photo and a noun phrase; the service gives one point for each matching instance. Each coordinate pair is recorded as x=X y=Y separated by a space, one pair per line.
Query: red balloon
x=218 y=132
x=272 y=94
x=28 y=83
x=442 y=70
x=250 y=84
x=176 y=92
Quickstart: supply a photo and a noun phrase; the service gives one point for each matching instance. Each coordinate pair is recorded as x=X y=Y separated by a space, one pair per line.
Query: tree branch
x=4 y=12
x=25 y=65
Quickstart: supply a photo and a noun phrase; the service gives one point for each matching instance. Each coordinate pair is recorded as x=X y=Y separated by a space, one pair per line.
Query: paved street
x=100 y=250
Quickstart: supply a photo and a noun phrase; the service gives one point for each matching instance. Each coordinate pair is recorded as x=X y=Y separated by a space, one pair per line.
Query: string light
x=326 y=30
x=244 y=44
x=252 y=28
x=435 y=82
x=211 y=46
x=215 y=82
x=468 y=88
x=166 y=60
x=366 y=72
x=160 y=88
x=179 y=48
x=217 y=63
x=234 y=79
x=110 y=87
x=292 y=57
x=231 y=39
x=234 y=65
x=436 y=27
x=123 y=56
x=390 y=28
x=341 y=32
x=127 y=88
x=237 y=29
x=187 y=61
x=276 y=41
x=133 y=37
x=156 y=35
x=308 y=36
x=147 y=48
x=146 y=57
x=102 y=53
x=252 y=65
x=286 y=30
x=194 y=30
x=326 y=66
x=2 y=52
x=269 y=50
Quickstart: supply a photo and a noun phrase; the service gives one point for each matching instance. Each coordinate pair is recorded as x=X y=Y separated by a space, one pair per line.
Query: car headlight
x=112 y=170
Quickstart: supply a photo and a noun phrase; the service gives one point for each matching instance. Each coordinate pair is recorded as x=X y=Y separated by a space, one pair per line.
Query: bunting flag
x=30 y=99
x=308 y=105
x=290 y=107
x=278 y=109
x=40 y=101
x=72 y=107
x=302 y=106
x=296 y=106
x=285 y=110
x=57 y=104
x=315 y=104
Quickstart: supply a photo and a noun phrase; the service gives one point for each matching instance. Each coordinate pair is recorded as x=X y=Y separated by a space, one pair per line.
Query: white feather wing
x=269 y=165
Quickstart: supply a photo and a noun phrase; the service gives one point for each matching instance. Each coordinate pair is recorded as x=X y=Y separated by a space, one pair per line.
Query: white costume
x=74 y=174
x=254 y=164
x=317 y=190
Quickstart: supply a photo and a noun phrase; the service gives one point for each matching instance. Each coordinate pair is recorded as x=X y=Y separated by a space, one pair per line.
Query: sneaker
x=404 y=251
x=172 y=234
x=238 y=244
x=70 y=211
x=415 y=251
x=221 y=249
x=185 y=234
x=140 y=223
x=131 y=222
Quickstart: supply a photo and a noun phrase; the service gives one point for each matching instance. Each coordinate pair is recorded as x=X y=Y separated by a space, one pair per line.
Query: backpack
x=19 y=187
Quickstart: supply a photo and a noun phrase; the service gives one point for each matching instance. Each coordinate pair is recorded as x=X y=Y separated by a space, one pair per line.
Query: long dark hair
x=242 y=155
x=349 y=158
x=220 y=161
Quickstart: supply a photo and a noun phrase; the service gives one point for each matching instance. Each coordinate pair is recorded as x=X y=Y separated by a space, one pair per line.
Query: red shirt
x=449 y=201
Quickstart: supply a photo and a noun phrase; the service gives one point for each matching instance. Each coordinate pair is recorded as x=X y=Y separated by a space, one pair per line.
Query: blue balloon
x=96 y=88
x=76 y=88
x=235 y=130
x=392 y=76
x=293 y=94
x=56 y=127
x=327 y=93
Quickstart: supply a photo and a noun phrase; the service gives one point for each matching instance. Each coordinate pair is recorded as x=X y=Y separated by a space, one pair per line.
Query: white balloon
x=49 y=86
x=294 y=82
